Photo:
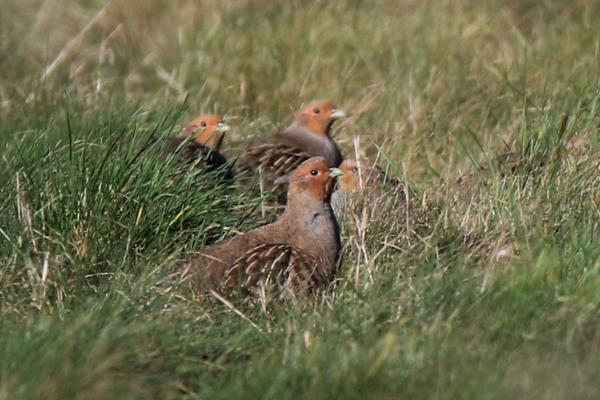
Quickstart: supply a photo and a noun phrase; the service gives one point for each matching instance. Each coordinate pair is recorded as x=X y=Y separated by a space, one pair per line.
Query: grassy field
x=91 y=219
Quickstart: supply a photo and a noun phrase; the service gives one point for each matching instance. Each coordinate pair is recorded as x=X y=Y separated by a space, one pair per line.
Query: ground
x=498 y=298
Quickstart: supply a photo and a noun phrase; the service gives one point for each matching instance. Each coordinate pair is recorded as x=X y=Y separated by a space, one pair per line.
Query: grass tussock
x=495 y=295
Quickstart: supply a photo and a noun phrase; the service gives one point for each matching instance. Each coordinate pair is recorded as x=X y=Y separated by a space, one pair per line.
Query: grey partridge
x=513 y=162
x=363 y=178
x=505 y=164
x=308 y=135
x=295 y=255
x=378 y=215
x=203 y=150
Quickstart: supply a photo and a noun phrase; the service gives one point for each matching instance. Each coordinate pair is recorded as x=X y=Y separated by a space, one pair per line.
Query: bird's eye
x=203 y=124
x=316 y=110
x=314 y=172
x=355 y=171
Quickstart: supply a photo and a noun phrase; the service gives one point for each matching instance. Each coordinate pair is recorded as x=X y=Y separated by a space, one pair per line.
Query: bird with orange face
x=308 y=135
x=367 y=195
x=360 y=177
x=295 y=255
x=200 y=143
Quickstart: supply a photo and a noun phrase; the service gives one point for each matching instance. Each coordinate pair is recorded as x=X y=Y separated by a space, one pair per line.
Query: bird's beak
x=223 y=127
x=337 y=114
x=334 y=172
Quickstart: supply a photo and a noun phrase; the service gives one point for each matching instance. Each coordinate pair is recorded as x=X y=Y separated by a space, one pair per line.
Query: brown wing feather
x=304 y=275
x=275 y=269
x=273 y=159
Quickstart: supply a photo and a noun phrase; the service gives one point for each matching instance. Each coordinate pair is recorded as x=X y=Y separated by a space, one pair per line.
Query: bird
x=359 y=174
x=309 y=135
x=513 y=162
x=203 y=150
x=377 y=211
x=364 y=179
x=532 y=158
x=295 y=255
x=505 y=164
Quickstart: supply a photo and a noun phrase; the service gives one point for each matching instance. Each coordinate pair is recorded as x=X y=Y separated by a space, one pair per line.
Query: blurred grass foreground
x=91 y=220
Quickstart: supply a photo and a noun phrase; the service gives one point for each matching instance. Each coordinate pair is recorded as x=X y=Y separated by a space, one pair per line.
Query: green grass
x=92 y=218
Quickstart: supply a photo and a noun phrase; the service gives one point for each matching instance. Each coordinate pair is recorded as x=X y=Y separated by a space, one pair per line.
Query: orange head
x=319 y=116
x=314 y=178
x=208 y=130
x=358 y=175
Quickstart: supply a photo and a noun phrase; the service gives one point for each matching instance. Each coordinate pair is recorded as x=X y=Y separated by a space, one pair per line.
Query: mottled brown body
x=295 y=255
x=309 y=135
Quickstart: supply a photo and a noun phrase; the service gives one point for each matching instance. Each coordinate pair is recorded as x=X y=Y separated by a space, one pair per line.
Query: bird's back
x=282 y=258
x=275 y=156
x=196 y=153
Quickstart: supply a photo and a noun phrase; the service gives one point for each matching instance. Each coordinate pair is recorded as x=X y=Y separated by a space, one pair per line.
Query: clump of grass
x=501 y=295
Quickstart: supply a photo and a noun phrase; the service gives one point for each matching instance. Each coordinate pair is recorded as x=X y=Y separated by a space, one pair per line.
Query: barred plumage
x=294 y=256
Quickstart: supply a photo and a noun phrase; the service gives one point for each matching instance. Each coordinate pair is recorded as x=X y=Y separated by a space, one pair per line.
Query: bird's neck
x=307 y=210
x=314 y=143
x=301 y=203
x=313 y=227
x=309 y=218
x=299 y=130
